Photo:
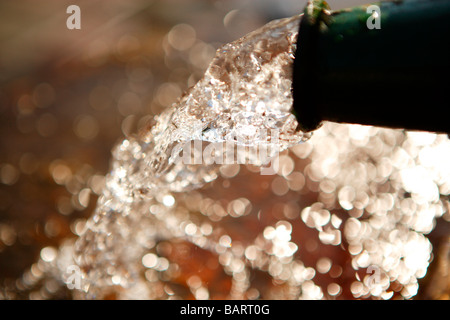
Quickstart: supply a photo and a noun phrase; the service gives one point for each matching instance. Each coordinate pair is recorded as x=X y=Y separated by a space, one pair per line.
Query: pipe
x=396 y=76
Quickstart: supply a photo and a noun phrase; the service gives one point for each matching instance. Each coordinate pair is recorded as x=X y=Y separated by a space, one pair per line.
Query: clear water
x=378 y=191
x=244 y=99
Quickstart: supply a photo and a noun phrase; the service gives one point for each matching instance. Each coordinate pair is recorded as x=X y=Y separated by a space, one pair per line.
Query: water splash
x=377 y=192
x=245 y=92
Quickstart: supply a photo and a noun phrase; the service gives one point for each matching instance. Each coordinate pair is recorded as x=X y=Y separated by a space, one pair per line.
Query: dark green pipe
x=396 y=76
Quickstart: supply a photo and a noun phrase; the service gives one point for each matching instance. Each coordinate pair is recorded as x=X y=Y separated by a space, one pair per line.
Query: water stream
x=240 y=113
x=244 y=99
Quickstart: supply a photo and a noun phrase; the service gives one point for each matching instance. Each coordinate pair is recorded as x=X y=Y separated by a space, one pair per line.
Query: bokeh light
x=355 y=212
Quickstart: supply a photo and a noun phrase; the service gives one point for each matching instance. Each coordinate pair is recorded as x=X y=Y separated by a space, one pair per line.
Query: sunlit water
x=379 y=190
x=244 y=99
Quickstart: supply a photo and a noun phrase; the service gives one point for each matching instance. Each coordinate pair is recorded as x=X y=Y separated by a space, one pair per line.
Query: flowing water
x=244 y=99
x=240 y=113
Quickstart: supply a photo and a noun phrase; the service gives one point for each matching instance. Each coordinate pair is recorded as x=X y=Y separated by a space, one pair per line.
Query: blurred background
x=68 y=96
